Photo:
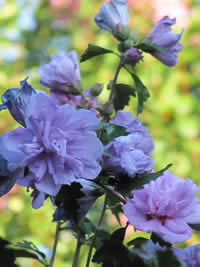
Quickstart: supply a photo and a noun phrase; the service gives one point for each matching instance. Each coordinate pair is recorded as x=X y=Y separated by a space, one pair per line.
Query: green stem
x=115 y=80
x=113 y=193
x=96 y=230
x=77 y=252
x=55 y=244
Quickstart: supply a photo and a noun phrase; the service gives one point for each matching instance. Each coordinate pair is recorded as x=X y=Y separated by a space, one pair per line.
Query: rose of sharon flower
x=62 y=73
x=124 y=119
x=165 y=206
x=127 y=156
x=15 y=100
x=190 y=255
x=161 y=35
x=112 y=15
x=58 y=146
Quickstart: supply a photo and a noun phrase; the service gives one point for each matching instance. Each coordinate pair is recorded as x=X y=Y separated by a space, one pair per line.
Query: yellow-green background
x=172 y=113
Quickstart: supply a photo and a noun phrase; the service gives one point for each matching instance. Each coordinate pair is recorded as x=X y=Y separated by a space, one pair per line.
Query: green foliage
x=122 y=95
x=142 y=93
x=93 y=51
x=108 y=131
x=146 y=45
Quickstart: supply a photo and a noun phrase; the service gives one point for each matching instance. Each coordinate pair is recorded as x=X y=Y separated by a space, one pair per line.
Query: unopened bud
x=96 y=89
x=132 y=56
x=133 y=36
x=107 y=108
x=121 y=32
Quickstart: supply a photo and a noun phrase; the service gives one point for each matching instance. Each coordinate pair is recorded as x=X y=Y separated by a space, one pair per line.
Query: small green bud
x=107 y=108
x=96 y=89
x=121 y=32
x=128 y=44
x=133 y=36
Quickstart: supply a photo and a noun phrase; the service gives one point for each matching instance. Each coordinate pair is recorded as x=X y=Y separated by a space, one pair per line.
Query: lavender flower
x=161 y=35
x=190 y=255
x=132 y=56
x=84 y=101
x=58 y=146
x=165 y=206
x=15 y=100
x=127 y=156
x=113 y=15
x=124 y=119
x=62 y=73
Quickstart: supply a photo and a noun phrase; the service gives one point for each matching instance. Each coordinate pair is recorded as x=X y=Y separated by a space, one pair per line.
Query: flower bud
x=96 y=89
x=121 y=32
x=107 y=108
x=132 y=56
x=128 y=44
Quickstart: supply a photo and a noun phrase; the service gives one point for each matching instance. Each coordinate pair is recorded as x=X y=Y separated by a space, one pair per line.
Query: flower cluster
x=166 y=207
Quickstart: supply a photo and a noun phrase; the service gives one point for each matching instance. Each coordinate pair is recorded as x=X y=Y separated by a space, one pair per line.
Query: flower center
x=162 y=218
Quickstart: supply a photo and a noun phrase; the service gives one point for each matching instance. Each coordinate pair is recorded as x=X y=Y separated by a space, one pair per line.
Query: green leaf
x=93 y=51
x=137 y=242
x=108 y=131
x=195 y=227
x=115 y=206
x=139 y=181
x=30 y=245
x=122 y=95
x=142 y=93
x=167 y=258
x=146 y=45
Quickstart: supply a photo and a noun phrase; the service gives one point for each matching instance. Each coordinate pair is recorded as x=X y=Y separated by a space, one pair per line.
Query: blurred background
x=32 y=30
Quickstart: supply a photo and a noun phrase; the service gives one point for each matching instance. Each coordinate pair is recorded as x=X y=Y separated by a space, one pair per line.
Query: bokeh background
x=32 y=30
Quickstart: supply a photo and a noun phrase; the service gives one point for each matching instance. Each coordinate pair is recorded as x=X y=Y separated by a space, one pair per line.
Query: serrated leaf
x=122 y=95
x=93 y=51
x=110 y=131
x=142 y=93
x=137 y=242
x=139 y=182
x=115 y=206
x=146 y=45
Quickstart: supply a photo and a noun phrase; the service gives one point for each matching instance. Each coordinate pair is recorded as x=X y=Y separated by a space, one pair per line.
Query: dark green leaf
x=7 y=256
x=31 y=246
x=146 y=45
x=157 y=239
x=195 y=227
x=23 y=253
x=139 y=181
x=122 y=95
x=93 y=51
x=137 y=242
x=167 y=258
x=142 y=93
x=108 y=131
x=115 y=206
x=87 y=226
x=119 y=234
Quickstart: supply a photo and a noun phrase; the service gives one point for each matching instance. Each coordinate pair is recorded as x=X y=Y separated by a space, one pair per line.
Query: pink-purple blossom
x=189 y=255
x=161 y=35
x=62 y=73
x=58 y=145
x=112 y=14
x=124 y=119
x=166 y=207
x=127 y=156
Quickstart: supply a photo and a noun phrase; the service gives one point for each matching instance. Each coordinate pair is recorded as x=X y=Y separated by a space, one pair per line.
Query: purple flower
x=161 y=35
x=127 y=156
x=112 y=15
x=132 y=56
x=58 y=146
x=86 y=101
x=124 y=119
x=62 y=73
x=165 y=206
x=15 y=100
x=190 y=255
